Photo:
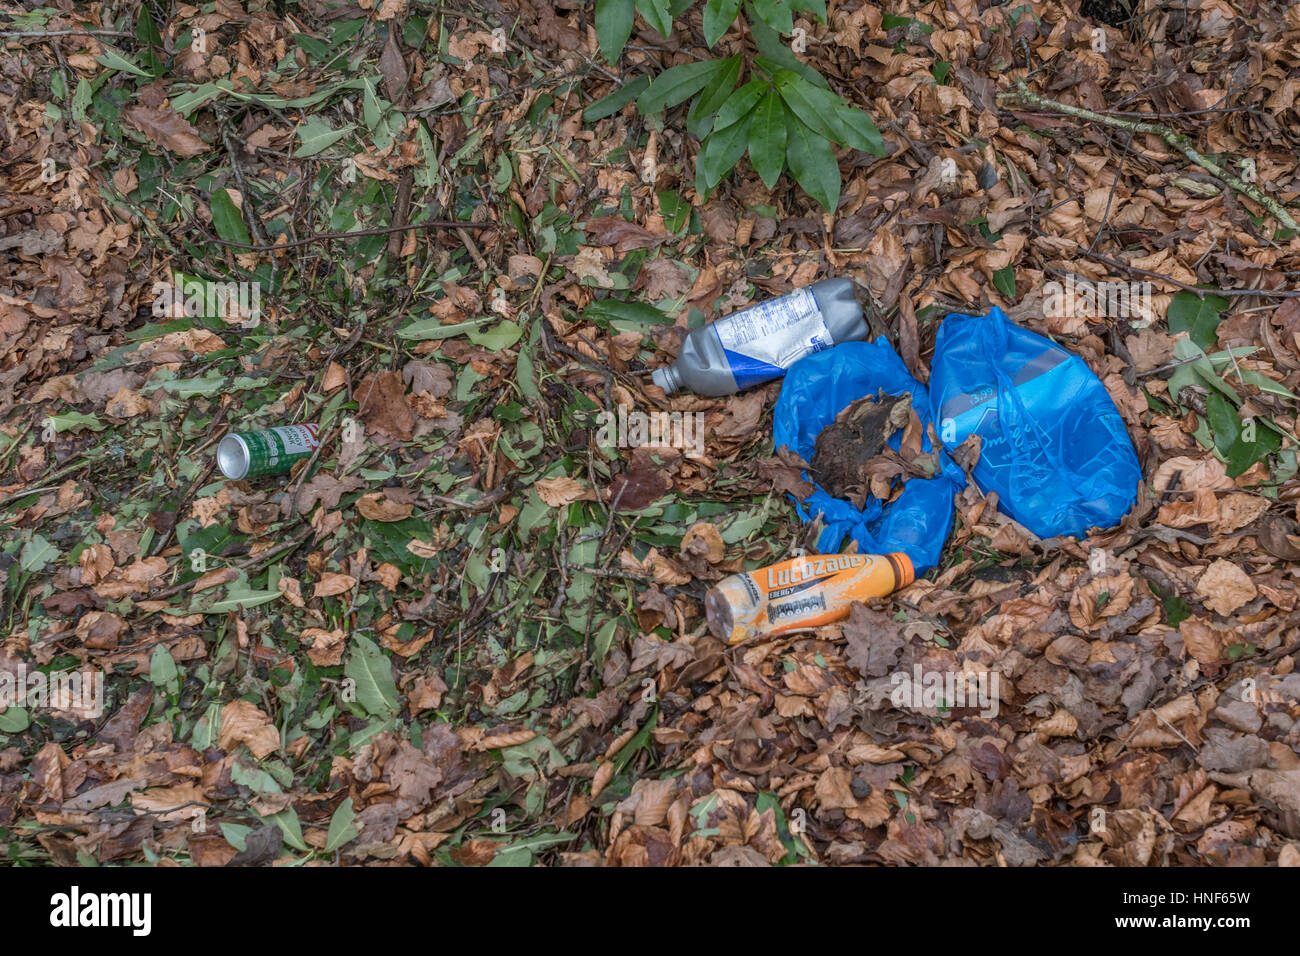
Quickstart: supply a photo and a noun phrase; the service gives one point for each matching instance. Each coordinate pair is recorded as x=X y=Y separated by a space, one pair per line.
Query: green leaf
x=497 y=338
x=236 y=834
x=856 y=129
x=291 y=827
x=700 y=118
x=1248 y=377
x=316 y=134
x=526 y=377
x=1198 y=316
x=604 y=639
x=611 y=104
x=640 y=314
x=720 y=154
x=813 y=163
x=81 y=101
x=1199 y=371
x=162 y=669
x=891 y=20
x=14 y=720
x=37 y=553
x=775 y=54
x=658 y=15
x=678 y=84
x=75 y=421
x=767 y=139
x=146 y=31
x=675 y=210
x=818 y=7
x=369 y=667
x=520 y=852
x=371 y=111
x=433 y=328
x=804 y=106
x=1176 y=609
x=115 y=60
x=342 y=829
x=195 y=387
x=1223 y=421
x=238 y=599
x=1229 y=436
x=776 y=14
x=719 y=15
x=824 y=112
x=740 y=104
x=227 y=220
x=1005 y=281
x=613 y=26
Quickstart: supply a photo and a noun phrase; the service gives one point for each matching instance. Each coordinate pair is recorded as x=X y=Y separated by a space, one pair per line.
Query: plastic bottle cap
x=665 y=378
x=904 y=572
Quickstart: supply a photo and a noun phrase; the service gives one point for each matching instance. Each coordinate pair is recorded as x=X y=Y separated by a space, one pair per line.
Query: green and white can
x=270 y=451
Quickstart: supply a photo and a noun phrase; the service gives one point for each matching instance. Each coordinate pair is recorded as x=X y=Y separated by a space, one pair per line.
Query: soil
x=847 y=447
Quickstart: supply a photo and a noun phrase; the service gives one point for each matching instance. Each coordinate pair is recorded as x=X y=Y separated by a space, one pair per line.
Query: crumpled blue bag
x=815 y=390
x=1054 y=448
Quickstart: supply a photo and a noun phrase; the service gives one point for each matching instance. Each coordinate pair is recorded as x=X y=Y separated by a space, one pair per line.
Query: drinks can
x=269 y=451
x=802 y=594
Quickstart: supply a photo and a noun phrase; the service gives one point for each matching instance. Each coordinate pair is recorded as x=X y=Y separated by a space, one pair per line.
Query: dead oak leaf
x=665 y=279
x=1202 y=641
x=562 y=491
x=126 y=404
x=377 y=506
x=326 y=648
x=384 y=408
x=243 y=723
x=785 y=473
x=325 y=489
x=703 y=539
x=332 y=584
x=624 y=236
x=1224 y=587
x=875 y=640
x=167 y=128
x=636 y=488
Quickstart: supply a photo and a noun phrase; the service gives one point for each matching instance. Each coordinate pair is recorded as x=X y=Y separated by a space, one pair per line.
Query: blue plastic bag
x=818 y=388
x=1054 y=447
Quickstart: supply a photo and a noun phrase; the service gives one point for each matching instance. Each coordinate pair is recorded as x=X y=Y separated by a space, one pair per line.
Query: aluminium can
x=268 y=451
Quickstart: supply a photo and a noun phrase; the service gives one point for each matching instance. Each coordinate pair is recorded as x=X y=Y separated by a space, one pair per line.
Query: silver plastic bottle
x=759 y=343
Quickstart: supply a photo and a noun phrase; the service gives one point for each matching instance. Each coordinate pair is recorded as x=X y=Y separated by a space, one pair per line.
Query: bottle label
x=805 y=593
x=762 y=341
x=273 y=451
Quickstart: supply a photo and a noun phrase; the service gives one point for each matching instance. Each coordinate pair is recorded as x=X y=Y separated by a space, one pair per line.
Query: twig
x=355 y=234
x=1274 y=293
x=260 y=558
x=42 y=34
x=481 y=504
x=81 y=460
x=1174 y=139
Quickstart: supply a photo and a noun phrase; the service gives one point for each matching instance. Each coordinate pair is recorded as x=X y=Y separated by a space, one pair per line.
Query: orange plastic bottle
x=801 y=594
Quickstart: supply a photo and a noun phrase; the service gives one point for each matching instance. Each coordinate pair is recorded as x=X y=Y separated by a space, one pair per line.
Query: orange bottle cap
x=904 y=573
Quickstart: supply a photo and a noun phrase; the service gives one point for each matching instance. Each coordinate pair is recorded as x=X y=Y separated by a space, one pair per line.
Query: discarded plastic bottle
x=270 y=451
x=800 y=595
x=759 y=343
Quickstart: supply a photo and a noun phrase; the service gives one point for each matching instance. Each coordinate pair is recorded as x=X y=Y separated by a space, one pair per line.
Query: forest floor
x=470 y=631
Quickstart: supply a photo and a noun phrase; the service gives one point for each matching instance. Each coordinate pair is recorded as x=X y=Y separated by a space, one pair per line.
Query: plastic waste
x=815 y=390
x=1054 y=447
x=800 y=595
x=759 y=343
